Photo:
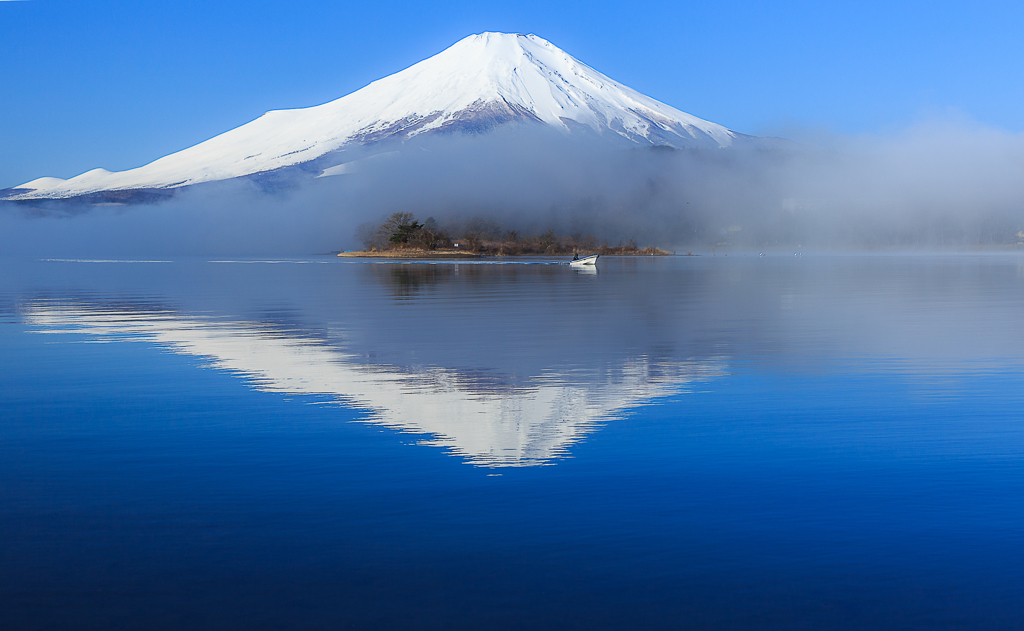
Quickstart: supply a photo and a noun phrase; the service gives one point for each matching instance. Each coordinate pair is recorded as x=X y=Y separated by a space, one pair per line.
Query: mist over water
x=943 y=184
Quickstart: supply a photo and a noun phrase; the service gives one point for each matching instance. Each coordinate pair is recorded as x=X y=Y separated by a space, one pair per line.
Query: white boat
x=587 y=260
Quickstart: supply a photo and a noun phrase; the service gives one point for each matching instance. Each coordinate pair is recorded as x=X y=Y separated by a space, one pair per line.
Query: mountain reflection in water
x=511 y=363
x=488 y=420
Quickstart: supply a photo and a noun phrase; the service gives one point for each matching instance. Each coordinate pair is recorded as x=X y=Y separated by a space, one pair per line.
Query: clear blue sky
x=117 y=84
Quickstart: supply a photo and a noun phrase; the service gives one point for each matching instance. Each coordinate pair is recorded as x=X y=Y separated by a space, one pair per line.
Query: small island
x=402 y=236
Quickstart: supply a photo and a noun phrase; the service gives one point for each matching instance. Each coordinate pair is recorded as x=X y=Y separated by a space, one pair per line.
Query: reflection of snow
x=492 y=426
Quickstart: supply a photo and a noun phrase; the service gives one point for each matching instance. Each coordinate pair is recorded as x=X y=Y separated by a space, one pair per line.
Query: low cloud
x=938 y=184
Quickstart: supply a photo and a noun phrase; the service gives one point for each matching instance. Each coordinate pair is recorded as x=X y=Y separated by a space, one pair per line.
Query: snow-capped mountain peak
x=478 y=83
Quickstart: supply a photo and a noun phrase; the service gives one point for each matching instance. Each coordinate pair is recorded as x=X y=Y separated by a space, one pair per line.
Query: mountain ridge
x=481 y=82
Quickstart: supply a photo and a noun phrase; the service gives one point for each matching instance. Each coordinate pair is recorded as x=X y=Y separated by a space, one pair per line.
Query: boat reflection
x=489 y=419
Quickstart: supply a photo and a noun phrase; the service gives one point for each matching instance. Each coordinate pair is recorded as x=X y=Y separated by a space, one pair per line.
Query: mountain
x=482 y=82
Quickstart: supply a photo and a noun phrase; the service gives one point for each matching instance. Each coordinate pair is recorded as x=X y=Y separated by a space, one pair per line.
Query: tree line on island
x=403 y=232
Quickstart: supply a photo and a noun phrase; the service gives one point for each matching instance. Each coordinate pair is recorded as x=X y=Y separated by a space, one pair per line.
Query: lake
x=712 y=442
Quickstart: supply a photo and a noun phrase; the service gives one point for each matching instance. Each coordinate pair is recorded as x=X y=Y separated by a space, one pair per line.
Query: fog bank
x=939 y=184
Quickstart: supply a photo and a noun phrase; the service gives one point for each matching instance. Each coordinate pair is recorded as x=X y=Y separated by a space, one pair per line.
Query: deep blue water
x=695 y=442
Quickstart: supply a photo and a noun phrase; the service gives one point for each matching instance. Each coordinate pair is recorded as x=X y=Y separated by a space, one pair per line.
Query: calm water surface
x=694 y=442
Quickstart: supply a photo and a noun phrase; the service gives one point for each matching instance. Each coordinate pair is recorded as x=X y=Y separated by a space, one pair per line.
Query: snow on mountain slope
x=480 y=82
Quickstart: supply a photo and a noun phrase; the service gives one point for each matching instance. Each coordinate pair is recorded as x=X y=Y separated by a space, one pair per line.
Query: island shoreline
x=456 y=254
